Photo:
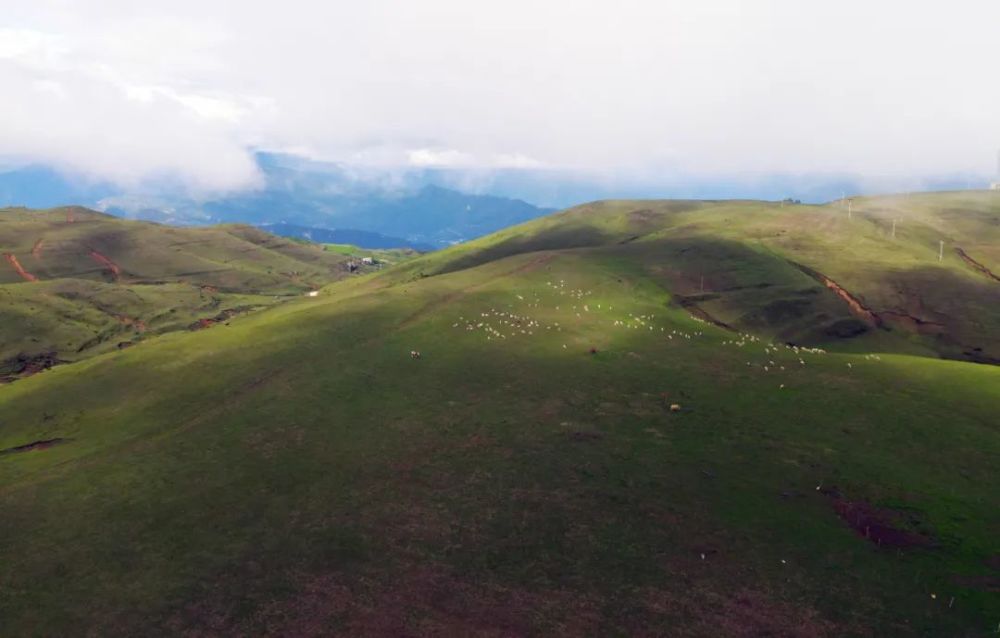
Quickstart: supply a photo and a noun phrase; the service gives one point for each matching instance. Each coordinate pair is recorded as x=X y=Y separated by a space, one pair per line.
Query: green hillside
x=74 y=282
x=629 y=418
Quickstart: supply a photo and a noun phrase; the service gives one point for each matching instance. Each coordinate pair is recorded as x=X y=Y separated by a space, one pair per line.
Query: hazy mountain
x=361 y=238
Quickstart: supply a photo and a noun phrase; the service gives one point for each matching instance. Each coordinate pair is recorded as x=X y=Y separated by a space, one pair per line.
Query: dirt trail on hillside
x=12 y=260
x=856 y=305
x=691 y=305
x=36 y=250
x=107 y=263
x=975 y=265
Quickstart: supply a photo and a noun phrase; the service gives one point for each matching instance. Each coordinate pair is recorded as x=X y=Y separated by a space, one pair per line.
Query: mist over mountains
x=417 y=206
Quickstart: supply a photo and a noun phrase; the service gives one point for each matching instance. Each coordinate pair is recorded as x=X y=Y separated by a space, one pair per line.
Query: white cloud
x=446 y=158
x=126 y=90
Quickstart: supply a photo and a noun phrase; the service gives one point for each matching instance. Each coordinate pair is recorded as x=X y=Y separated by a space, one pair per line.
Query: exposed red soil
x=36 y=250
x=853 y=302
x=857 y=307
x=107 y=263
x=880 y=526
x=26 y=365
x=228 y=313
x=43 y=444
x=12 y=260
x=69 y=216
x=978 y=267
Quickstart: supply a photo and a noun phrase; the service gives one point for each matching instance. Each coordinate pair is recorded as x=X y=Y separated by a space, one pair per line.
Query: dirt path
x=107 y=263
x=697 y=311
x=36 y=250
x=975 y=265
x=856 y=305
x=12 y=260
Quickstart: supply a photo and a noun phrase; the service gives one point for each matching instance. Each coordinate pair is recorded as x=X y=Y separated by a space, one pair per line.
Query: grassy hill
x=74 y=282
x=581 y=448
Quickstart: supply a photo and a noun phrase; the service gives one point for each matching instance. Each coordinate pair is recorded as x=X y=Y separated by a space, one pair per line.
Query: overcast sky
x=131 y=91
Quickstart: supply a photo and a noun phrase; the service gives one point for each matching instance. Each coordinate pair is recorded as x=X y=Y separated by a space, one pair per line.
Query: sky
x=186 y=90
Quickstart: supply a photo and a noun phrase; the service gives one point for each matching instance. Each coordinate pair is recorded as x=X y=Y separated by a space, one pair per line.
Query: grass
x=103 y=281
x=297 y=472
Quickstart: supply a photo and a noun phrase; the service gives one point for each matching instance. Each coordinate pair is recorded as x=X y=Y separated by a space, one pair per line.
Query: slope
x=816 y=275
x=74 y=282
x=525 y=475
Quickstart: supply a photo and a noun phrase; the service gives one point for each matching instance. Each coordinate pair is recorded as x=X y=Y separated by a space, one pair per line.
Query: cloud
x=133 y=91
x=448 y=158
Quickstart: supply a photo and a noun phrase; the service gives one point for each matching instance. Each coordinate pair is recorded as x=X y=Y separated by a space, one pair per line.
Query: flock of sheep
x=497 y=324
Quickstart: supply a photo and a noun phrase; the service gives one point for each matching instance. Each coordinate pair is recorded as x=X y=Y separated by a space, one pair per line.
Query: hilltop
x=74 y=282
x=695 y=418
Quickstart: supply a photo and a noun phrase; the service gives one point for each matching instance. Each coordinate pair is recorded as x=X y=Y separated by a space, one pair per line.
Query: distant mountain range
x=367 y=210
x=362 y=238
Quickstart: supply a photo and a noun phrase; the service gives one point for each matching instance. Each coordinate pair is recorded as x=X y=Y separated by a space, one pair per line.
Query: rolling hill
x=687 y=418
x=74 y=282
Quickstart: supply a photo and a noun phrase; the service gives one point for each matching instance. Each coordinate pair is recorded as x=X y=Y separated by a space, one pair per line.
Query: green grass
x=298 y=473
x=167 y=279
x=384 y=256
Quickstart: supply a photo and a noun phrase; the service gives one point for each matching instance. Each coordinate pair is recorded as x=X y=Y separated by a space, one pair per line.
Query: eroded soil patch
x=12 y=260
x=975 y=265
x=882 y=527
x=24 y=365
x=228 y=313
x=42 y=444
x=111 y=266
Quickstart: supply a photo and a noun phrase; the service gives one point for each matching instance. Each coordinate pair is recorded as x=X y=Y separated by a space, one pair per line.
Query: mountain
x=429 y=215
x=44 y=187
x=75 y=282
x=695 y=418
x=360 y=238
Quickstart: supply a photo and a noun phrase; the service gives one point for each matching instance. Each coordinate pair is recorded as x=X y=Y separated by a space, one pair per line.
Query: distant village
x=354 y=265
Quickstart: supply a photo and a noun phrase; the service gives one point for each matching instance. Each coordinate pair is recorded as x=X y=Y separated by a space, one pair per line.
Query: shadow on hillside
x=548 y=239
x=733 y=286
x=737 y=287
x=959 y=315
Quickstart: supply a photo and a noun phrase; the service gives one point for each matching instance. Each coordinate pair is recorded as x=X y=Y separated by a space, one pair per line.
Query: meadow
x=629 y=418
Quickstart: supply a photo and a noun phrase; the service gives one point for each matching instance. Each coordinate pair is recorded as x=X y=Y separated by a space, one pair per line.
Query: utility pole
x=850 y=206
x=941 y=250
x=893 y=228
